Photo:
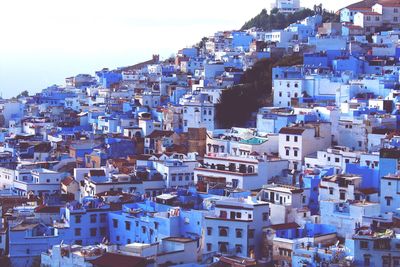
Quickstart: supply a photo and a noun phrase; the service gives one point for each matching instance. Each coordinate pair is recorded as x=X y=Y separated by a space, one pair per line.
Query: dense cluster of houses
x=130 y=168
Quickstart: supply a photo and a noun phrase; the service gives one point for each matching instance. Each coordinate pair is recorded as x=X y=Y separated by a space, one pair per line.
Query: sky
x=44 y=41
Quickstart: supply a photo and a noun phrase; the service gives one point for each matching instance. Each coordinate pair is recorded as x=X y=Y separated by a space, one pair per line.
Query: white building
x=390 y=189
x=244 y=172
x=346 y=215
x=369 y=20
x=198 y=111
x=286 y=6
x=285 y=90
x=301 y=140
x=390 y=11
x=336 y=157
x=235 y=227
x=237 y=143
x=286 y=203
x=177 y=170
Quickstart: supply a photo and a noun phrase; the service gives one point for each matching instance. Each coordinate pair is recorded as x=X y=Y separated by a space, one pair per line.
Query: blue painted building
x=150 y=222
x=107 y=78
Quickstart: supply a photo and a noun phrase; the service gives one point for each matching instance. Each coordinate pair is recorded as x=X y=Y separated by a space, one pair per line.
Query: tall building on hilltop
x=286 y=6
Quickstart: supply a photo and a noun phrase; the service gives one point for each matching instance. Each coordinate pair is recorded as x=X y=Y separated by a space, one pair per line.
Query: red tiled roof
x=389 y=3
x=292 y=130
x=158 y=134
x=362 y=5
x=118 y=260
x=283 y=226
x=48 y=209
x=371 y=13
x=67 y=180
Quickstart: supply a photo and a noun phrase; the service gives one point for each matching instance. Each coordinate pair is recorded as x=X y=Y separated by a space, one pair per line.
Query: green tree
x=237 y=103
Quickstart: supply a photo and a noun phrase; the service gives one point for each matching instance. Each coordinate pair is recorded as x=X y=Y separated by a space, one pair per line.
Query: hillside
x=277 y=20
x=238 y=103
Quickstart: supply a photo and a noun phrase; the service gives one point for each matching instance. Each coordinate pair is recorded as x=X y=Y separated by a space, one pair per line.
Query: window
x=337 y=160
x=77 y=231
x=287 y=152
x=238 y=248
x=296 y=138
x=93 y=218
x=364 y=244
x=386 y=261
x=128 y=226
x=78 y=242
x=296 y=153
x=265 y=216
x=330 y=191
x=342 y=195
x=209 y=231
x=115 y=223
x=209 y=246
x=388 y=201
x=78 y=219
x=223 y=247
x=117 y=238
x=128 y=241
x=251 y=233
x=103 y=217
x=223 y=214
x=93 y=231
x=347 y=161
x=238 y=233
x=223 y=231
x=396 y=10
x=280 y=94
x=143 y=229
x=103 y=231
x=287 y=138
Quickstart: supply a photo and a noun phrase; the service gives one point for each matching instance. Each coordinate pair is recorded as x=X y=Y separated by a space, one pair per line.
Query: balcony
x=242 y=170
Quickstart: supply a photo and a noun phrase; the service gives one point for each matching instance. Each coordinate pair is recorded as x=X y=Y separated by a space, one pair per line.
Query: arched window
x=250 y=169
x=223 y=231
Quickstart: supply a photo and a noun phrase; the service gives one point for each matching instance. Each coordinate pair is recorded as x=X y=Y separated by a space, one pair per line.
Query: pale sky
x=44 y=41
